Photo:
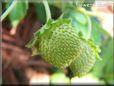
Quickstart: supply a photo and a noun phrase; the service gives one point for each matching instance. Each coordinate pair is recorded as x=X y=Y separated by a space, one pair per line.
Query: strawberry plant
x=70 y=39
x=61 y=45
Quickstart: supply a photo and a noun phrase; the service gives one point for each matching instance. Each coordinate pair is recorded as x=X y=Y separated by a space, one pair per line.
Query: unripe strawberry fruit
x=58 y=43
x=84 y=63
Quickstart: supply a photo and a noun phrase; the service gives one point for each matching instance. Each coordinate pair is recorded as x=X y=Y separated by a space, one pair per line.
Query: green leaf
x=104 y=69
x=80 y=18
x=98 y=34
x=79 y=21
x=76 y=15
x=40 y=11
x=107 y=55
x=18 y=12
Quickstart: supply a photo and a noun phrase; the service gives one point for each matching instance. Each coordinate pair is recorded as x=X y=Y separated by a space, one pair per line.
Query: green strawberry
x=84 y=63
x=57 y=42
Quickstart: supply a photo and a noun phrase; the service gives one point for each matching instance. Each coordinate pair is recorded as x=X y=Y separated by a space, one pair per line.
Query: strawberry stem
x=47 y=9
x=82 y=10
x=89 y=27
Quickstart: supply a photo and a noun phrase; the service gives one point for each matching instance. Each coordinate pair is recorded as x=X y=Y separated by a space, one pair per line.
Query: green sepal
x=50 y=25
x=35 y=50
x=34 y=44
x=43 y=28
x=31 y=43
x=95 y=48
x=44 y=31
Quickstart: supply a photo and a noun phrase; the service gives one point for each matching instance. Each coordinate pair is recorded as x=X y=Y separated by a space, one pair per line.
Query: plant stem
x=8 y=10
x=88 y=19
x=89 y=27
x=47 y=9
x=92 y=13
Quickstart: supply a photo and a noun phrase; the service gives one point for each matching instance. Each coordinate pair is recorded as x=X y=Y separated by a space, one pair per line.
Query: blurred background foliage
x=103 y=70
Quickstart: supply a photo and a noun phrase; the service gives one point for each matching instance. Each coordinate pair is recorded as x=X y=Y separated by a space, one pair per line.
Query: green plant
x=59 y=44
x=78 y=21
x=85 y=61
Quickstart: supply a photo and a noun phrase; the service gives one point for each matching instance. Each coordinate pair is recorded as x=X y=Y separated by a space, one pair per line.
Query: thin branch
x=89 y=27
x=47 y=9
x=82 y=10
